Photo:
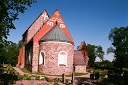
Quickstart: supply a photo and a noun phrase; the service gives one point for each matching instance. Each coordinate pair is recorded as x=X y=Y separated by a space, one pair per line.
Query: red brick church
x=48 y=47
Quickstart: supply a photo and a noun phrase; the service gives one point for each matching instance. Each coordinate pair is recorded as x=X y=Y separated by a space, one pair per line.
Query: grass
x=25 y=70
x=37 y=73
x=76 y=74
x=97 y=71
x=125 y=69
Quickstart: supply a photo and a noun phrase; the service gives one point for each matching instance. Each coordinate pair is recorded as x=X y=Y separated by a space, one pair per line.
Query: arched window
x=62 y=58
x=42 y=58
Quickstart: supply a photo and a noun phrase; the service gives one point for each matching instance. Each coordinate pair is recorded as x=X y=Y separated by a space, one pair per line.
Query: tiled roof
x=78 y=58
x=56 y=34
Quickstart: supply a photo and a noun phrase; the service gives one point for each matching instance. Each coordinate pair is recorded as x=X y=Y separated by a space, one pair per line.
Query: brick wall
x=21 y=57
x=52 y=50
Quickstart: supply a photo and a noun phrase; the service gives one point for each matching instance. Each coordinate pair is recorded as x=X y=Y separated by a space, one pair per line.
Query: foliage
x=105 y=63
x=28 y=78
x=19 y=44
x=9 y=11
x=93 y=52
x=37 y=78
x=47 y=79
x=99 y=52
x=119 y=39
x=9 y=54
x=20 y=77
x=56 y=80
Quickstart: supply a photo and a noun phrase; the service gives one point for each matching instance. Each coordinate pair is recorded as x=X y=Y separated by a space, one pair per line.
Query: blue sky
x=89 y=20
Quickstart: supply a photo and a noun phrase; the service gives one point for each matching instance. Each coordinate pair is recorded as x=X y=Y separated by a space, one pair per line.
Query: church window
x=62 y=58
x=42 y=58
x=29 y=56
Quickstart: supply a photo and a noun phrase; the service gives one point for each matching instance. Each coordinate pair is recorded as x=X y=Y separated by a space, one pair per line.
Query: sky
x=87 y=20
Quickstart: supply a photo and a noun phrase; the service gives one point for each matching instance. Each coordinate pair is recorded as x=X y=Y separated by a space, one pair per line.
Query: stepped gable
x=35 y=26
x=82 y=46
x=50 y=24
x=78 y=58
x=56 y=34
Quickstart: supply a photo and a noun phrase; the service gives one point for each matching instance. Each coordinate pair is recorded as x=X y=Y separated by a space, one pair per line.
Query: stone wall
x=52 y=50
x=80 y=69
x=36 y=25
x=35 y=57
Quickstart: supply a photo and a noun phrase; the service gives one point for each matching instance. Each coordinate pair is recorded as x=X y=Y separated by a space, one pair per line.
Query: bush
x=28 y=78
x=97 y=75
x=37 y=78
x=20 y=77
x=47 y=79
x=92 y=76
x=56 y=80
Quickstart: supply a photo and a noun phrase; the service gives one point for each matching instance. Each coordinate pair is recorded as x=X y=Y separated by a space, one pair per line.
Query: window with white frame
x=42 y=58
x=62 y=58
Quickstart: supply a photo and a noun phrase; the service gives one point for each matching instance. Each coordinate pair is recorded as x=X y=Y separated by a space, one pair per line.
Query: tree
x=9 y=53
x=20 y=44
x=9 y=10
x=119 y=39
x=99 y=52
x=93 y=52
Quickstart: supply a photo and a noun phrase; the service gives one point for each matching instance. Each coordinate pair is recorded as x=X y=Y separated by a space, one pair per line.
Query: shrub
x=47 y=79
x=97 y=75
x=28 y=78
x=92 y=76
x=20 y=77
x=37 y=78
x=56 y=80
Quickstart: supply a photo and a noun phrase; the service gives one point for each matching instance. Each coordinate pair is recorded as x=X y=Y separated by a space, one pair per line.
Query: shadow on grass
x=114 y=80
x=7 y=79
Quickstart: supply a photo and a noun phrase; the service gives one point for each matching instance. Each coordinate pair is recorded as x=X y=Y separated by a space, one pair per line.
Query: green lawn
x=70 y=75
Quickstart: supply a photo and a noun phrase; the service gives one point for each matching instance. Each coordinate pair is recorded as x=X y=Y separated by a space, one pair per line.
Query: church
x=48 y=47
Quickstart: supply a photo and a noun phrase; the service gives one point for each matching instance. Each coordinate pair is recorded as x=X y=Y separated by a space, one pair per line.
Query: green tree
x=119 y=39
x=107 y=63
x=9 y=10
x=93 y=52
x=99 y=52
x=20 y=44
x=10 y=54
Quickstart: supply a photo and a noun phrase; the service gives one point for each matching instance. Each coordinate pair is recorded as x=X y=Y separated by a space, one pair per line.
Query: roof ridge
x=36 y=20
x=53 y=32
